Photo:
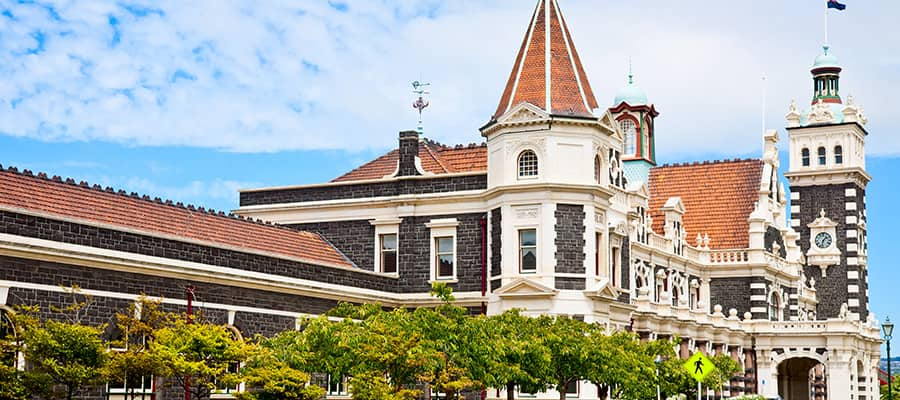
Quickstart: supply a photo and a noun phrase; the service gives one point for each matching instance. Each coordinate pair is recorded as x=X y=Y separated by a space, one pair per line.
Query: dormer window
x=629 y=129
x=805 y=156
x=528 y=164
x=822 y=157
x=838 y=155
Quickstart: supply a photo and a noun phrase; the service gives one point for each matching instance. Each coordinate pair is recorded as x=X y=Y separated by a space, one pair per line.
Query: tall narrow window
x=443 y=258
x=572 y=389
x=614 y=264
x=528 y=164
x=630 y=131
x=822 y=157
x=337 y=387
x=805 y=157
x=8 y=355
x=388 y=253
x=838 y=155
x=597 y=168
x=528 y=251
x=774 y=307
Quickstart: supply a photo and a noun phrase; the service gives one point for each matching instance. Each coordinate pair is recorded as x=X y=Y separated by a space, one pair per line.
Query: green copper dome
x=826 y=60
x=631 y=94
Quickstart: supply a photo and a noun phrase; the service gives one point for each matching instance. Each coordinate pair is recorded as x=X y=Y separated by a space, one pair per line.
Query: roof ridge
x=709 y=162
x=437 y=157
x=376 y=159
x=157 y=201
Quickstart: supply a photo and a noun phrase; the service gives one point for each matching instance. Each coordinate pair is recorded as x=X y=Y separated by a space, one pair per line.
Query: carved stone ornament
x=820 y=113
x=527 y=212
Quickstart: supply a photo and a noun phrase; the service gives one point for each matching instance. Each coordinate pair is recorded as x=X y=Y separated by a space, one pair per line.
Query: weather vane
x=420 y=103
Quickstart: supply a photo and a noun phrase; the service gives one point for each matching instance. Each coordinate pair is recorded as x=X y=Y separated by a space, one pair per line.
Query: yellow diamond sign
x=698 y=366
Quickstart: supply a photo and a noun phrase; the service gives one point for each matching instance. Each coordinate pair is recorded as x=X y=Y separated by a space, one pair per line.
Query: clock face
x=823 y=240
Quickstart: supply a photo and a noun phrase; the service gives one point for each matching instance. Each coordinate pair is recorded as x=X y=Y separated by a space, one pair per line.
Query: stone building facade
x=563 y=210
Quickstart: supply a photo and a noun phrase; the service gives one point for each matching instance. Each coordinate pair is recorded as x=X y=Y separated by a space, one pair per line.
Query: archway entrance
x=801 y=379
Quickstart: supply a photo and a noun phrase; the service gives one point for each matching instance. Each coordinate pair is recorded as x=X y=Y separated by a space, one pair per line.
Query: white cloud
x=243 y=76
x=194 y=192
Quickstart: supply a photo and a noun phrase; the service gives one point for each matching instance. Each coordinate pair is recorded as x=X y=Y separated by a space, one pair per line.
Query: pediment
x=522 y=287
x=674 y=204
x=640 y=189
x=605 y=291
x=822 y=222
x=610 y=124
x=523 y=112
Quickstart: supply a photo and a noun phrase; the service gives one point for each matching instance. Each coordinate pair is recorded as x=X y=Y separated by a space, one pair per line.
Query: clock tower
x=828 y=179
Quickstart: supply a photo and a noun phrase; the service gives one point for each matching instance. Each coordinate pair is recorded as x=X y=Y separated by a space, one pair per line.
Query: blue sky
x=193 y=100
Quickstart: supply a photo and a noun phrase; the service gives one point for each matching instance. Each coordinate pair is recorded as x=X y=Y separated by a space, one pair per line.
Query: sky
x=193 y=100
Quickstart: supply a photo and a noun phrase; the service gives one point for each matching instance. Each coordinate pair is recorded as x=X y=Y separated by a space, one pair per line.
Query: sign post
x=699 y=367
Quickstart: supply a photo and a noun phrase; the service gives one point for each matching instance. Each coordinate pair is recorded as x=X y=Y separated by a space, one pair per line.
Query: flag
x=834 y=4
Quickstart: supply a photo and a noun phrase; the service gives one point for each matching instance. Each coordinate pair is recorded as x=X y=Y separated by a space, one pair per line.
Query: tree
x=273 y=373
x=569 y=344
x=624 y=365
x=71 y=355
x=520 y=358
x=15 y=382
x=132 y=363
x=202 y=354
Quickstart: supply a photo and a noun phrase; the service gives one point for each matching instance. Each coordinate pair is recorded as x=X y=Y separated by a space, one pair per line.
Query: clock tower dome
x=828 y=179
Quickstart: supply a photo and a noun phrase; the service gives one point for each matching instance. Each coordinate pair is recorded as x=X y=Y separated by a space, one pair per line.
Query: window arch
x=629 y=130
x=528 y=164
x=822 y=157
x=838 y=155
x=805 y=156
x=774 y=307
x=598 y=165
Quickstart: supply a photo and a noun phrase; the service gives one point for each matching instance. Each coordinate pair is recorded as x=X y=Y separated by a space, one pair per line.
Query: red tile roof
x=718 y=197
x=436 y=159
x=568 y=92
x=66 y=199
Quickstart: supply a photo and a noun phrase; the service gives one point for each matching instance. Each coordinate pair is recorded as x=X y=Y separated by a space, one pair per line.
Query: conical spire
x=548 y=72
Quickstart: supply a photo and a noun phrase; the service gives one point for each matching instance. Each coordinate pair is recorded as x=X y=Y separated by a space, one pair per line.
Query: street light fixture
x=888 y=328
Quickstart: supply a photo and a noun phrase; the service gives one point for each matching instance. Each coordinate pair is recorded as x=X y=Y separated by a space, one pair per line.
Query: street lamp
x=888 y=328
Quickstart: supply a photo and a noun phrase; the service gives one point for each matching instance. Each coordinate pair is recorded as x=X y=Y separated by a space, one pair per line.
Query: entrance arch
x=801 y=378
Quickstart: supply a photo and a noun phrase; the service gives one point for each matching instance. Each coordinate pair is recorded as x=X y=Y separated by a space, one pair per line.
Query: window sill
x=433 y=281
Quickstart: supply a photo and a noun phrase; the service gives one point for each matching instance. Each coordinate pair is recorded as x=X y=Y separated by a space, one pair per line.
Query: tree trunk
x=510 y=391
x=562 y=390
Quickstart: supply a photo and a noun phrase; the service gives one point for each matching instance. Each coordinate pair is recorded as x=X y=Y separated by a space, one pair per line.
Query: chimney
x=409 y=152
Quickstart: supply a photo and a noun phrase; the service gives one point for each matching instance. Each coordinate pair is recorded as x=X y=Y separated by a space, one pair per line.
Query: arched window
x=774 y=307
x=822 y=157
x=805 y=156
x=597 y=168
x=528 y=164
x=9 y=357
x=630 y=132
x=838 y=155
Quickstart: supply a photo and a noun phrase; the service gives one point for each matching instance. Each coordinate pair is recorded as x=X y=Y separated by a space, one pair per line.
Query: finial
x=630 y=73
x=826 y=47
x=822 y=213
x=420 y=103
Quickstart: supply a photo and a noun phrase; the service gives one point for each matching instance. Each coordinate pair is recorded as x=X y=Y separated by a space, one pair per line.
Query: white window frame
x=442 y=228
x=386 y=226
x=537 y=249
x=629 y=136
x=537 y=168
x=343 y=388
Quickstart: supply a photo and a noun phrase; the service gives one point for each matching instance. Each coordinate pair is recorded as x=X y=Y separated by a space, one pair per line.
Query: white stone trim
x=795 y=196
x=852 y=274
x=795 y=209
x=757 y=285
x=442 y=228
x=852 y=260
x=850 y=206
x=850 y=220
x=853 y=289
x=757 y=297
x=851 y=192
x=851 y=233
x=853 y=302
x=387 y=226
x=852 y=247
x=759 y=310
x=795 y=222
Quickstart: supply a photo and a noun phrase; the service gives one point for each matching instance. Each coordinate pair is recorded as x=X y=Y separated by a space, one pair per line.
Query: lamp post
x=888 y=328
x=657 y=361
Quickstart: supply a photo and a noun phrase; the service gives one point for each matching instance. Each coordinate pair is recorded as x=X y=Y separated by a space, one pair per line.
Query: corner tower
x=635 y=117
x=828 y=179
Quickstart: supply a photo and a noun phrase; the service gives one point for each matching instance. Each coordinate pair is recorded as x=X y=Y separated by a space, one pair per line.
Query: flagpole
x=826 y=26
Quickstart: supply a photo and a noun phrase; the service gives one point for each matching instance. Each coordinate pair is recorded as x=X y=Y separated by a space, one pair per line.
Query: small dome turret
x=631 y=94
x=826 y=60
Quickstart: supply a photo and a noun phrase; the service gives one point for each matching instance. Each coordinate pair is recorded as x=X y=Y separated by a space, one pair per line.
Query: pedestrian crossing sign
x=698 y=366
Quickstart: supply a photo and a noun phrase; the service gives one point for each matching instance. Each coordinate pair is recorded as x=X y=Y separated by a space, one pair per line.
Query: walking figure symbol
x=698 y=366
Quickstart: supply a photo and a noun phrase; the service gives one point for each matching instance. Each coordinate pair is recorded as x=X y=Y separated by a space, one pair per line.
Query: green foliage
x=131 y=360
x=895 y=389
x=69 y=354
x=726 y=368
x=199 y=352
x=271 y=375
x=518 y=357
